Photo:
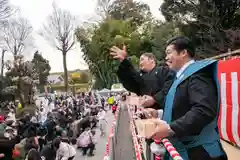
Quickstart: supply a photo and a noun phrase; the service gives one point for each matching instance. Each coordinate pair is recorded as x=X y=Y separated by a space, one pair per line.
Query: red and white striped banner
x=111 y=134
x=137 y=145
x=229 y=117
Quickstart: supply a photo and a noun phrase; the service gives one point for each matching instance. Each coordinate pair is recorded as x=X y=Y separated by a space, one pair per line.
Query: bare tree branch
x=102 y=8
x=6 y=10
x=59 y=29
x=16 y=35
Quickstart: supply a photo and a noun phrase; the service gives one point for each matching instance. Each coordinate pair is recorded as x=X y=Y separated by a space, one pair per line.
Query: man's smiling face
x=173 y=58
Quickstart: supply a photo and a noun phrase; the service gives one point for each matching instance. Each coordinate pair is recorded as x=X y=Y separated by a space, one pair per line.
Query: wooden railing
x=229 y=54
x=141 y=146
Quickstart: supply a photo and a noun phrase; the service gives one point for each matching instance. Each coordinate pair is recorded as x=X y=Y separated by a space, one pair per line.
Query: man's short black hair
x=180 y=43
x=73 y=141
x=56 y=142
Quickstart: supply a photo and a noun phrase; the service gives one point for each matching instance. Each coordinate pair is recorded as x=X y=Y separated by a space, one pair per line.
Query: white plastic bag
x=84 y=139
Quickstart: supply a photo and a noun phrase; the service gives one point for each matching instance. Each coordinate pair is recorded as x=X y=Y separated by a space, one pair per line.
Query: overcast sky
x=37 y=11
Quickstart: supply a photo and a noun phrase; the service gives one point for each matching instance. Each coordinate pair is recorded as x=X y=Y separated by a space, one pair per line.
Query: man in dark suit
x=192 y=105
x=151 y=81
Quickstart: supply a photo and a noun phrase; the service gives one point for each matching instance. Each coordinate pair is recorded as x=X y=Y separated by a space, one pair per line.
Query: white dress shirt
x=182 y=69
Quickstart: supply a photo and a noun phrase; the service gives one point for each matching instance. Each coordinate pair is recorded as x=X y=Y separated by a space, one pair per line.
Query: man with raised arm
x=152 y=81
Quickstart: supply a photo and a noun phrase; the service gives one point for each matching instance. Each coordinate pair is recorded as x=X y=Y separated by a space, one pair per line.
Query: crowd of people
x=59 y=128
x=177 y=96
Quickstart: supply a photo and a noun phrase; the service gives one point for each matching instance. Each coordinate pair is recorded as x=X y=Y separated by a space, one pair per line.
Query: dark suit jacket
x=195 y=105
x=155 y=83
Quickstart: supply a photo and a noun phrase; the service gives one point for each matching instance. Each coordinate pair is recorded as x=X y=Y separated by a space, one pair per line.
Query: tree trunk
x=65 y=71
x=2 y=66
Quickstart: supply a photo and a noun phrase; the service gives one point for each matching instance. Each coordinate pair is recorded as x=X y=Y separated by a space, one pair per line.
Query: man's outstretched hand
x=118 y=53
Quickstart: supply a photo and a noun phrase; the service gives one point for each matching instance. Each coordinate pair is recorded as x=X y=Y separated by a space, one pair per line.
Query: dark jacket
x=155 y=83
x=84 y=123
x=48 y=152
x=195 y=105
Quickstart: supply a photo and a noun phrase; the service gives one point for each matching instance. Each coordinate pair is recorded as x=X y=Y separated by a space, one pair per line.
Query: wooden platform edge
x=232 y=151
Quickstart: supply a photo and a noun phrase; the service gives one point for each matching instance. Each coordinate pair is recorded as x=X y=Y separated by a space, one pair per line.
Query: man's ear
x=124 y=48
x=184 y=53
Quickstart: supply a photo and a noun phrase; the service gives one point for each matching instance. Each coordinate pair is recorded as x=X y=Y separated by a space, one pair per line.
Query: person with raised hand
x=152 y=81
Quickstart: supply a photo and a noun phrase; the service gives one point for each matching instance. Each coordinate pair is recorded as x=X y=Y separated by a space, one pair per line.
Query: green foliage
x=135 y=12
x=128 y=23
x=23 y=77
x=135 y=61
x=96 y=48
x=160 y=34
x=42 y=68
x=212 y=25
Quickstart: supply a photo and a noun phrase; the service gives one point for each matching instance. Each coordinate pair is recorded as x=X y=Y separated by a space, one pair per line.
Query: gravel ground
x=232 y=152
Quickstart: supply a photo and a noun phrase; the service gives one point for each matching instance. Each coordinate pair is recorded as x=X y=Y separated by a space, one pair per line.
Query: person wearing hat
x=7 y=145
x=2 y=119
x=2 y=125
x=11 y=116
x=10 y=132
x=19 y=105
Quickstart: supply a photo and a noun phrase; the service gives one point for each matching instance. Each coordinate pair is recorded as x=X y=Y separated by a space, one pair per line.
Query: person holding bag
x=64 y=150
